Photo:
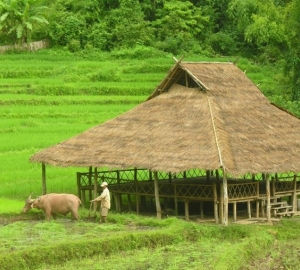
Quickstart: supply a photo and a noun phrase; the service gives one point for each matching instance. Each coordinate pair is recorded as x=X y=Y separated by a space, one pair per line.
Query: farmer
x=104 y=198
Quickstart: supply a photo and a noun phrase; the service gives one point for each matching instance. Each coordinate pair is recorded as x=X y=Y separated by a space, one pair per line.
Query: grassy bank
x=136 y=242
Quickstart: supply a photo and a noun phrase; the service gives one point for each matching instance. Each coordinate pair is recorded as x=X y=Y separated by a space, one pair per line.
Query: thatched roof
x=202 y=115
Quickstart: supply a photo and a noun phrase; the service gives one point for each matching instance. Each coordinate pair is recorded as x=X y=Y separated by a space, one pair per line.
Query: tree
x=292 y=57
x=126 y=25
x=260 y=20
x=18 y=18
x=260 y=23
x=179 y=23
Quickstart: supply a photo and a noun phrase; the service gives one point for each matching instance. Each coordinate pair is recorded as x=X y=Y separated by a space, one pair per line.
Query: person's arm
x=99 y=198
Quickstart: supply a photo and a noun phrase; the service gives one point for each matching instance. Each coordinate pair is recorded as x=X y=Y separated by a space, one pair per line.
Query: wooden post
x=207 y=176
x=129 y=202
x=257 y=201
x=295 y=193
x=273 y=194
x=95 y=187
x=201 y=210
x=225 y=198
x=117 y=202
x=78 y=185
x=83 y=197
x=156 y=193
x=186 y=210
x=221 y=204
x=137 y=199
x=249 y=209
x=175 y=200
x=215 y=203
x=137 y=203
x=44 y=187
x=90 y=181
x=234 y=211
x=263 y=214
x=268 y=197
x=257 y=208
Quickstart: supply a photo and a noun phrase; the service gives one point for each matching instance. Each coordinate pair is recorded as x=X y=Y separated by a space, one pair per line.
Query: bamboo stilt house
x=206 y=116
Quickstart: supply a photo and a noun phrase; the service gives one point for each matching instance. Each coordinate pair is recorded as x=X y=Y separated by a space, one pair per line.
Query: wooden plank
x=282 y=207
x=288 y=213
x=278 y=203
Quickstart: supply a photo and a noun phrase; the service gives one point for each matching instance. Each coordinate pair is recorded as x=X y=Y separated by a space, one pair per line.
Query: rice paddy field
x=45 y=99
x=49 y=96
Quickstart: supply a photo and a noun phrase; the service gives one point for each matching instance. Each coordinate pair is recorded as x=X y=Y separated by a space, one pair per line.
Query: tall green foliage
x=127 y=26
x=292 y=57
x=18 y=18
x=178 y=24
x=260 y=23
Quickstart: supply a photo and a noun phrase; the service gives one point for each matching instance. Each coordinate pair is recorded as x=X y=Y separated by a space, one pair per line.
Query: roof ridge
x=215 y=131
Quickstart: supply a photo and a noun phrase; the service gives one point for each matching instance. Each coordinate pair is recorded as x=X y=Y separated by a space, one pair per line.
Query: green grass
x=129 y=241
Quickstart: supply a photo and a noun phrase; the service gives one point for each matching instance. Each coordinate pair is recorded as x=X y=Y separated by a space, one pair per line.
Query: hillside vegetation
x=266 y=31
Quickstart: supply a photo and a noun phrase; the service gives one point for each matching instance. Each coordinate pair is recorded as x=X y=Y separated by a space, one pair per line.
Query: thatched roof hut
x=207 y=116
x=202 y=115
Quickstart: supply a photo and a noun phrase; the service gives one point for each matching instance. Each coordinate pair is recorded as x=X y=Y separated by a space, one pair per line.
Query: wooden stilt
x=137 y=203
x=225 y=198
x=215 y=203
x=268 y=210
x=249 y=209
x=79 y=186
x=44 y=187
x=129 y=202
x=175 y=201
x=95 y=187
x=186 y=210
x=201 y=210
x=117 y=202
x=234 y=211
x=156 y=194
x=257 y=209
x=221 y=204
x=90 y=182
x=294 y=200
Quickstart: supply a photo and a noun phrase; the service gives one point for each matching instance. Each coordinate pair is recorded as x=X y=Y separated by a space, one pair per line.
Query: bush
x=74 y=46
x=138 y=52
x=222 y=43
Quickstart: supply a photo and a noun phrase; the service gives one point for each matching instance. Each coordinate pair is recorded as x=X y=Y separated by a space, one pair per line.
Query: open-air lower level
x=198 y=193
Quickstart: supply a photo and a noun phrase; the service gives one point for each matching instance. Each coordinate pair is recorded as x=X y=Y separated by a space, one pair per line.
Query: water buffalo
x=54 y=204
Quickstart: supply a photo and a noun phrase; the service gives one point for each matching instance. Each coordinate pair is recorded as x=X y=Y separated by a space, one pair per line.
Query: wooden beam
x=95 y=187
x=175 y=200
x=186 y=210
x=79 y=186
x=294 y=200
x=156 y=194
x=201 y=210
x=90 y=181
x=221 y=203
x=266 y=176
x=225 y=198
x=44 y=187
x=249 y=209
x=166 y=81
x=215 y=203
x=234 y=211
